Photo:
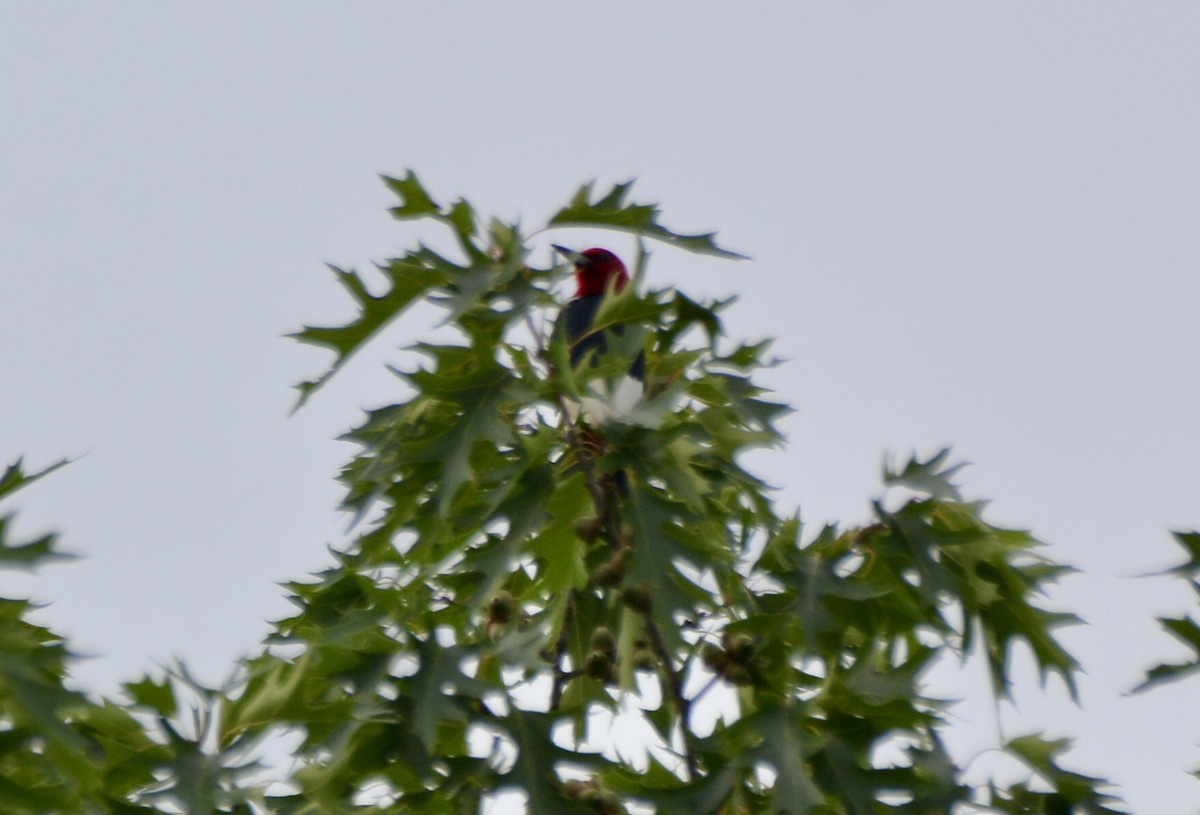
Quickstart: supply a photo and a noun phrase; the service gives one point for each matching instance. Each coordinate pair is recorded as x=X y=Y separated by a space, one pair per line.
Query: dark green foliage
x=613 y=211
x=1070 y=792
x=27 y=554
x=498 y=544
x=515 y=576
x=1184 y=629
x=64 y=752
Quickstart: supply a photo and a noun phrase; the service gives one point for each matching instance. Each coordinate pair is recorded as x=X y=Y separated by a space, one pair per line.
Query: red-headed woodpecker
x=596 y=271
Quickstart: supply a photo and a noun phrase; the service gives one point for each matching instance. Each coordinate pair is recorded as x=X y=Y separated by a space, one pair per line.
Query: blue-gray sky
x=972 y=224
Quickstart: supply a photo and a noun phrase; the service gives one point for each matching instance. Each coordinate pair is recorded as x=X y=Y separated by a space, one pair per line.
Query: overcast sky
x=972 y=224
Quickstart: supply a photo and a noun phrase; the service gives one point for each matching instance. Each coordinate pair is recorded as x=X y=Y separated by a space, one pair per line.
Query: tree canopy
x=519 y=582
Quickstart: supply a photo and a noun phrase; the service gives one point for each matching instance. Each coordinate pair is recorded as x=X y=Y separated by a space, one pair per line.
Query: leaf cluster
x=1184 y=629
x=519 y=579
x=523 y=578
x=63 y=751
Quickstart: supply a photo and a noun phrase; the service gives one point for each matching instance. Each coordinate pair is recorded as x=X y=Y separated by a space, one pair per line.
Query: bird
x=596 y=271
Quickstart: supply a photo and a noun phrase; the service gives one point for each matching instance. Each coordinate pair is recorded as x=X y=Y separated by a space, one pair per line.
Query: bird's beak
x=570 y=254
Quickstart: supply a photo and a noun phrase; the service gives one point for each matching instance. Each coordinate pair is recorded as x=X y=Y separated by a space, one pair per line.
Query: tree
x=519 y=580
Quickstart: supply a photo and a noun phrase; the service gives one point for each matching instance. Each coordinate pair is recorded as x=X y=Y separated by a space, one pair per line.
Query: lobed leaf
x=613 y=210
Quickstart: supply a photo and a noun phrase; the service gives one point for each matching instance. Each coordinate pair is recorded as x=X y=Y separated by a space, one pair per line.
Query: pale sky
x=971 y=224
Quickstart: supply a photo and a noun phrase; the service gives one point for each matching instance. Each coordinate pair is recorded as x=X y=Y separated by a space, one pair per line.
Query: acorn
x=612 y=571
x=575 y=788
x=741 y=648
x=713 y=656
x=603 y=641
x=597 y=666
x=609 y=803
x=639 y=597
x=588 y=529
x=500 y=608
x=737 y=674
x=591 y=796
x=644 y=658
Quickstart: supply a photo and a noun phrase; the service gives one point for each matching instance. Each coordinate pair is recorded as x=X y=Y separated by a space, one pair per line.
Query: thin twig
x=560 y=650
x=683 y=707
x=610 y=528
x=709 y=685
x=605 y=508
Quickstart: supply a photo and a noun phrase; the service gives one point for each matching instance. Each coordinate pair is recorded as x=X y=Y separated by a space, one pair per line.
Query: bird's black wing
x=577 y=318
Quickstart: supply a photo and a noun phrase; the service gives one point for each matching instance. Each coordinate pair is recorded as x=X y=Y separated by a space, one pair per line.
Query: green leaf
x=29 y=554
x=927 y=476
x=34 y=800
x=954 y=553
x=415 y=202
x=26 y=554
x=43 y=704
x=1074 y=789
x=408 y=281
x=657 y=548
x=557 y=547
x=526 y=510
x=438 y=688
x=271 y=695
x=533 y=771
x=1186 y=631
x=685 y=313
x=670 y=796
x=158 y=696
x=1190 y=541
x=787 y=745
x=612 y=211
x=480 y=584
x=14 y=477
x=478 y=400
x=626 y=308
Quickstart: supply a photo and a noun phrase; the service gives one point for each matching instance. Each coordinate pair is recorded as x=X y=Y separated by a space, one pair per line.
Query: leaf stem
x=683 y=706
x=560 y=650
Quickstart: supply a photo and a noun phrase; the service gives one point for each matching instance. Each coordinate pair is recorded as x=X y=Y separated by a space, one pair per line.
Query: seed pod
x=741 y=648
x=500 y=608
x=597 y=666
x=644 y=659
x=603 y=640
x=737 y=674
x=713 y=656
x=609 y=803
x=640 y=597
x=588 y=529
x=591 y=796
x=606 y=576
x=612 y=571
x=575 y=788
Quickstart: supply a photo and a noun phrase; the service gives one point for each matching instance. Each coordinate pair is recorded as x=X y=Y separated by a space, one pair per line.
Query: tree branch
x=683 y=706
x=561 y=677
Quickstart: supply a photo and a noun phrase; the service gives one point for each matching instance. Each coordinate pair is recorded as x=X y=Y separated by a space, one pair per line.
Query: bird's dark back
x=578 y=316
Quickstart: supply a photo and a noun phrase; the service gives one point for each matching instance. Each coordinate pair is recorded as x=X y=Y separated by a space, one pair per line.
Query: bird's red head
x=594 y=268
